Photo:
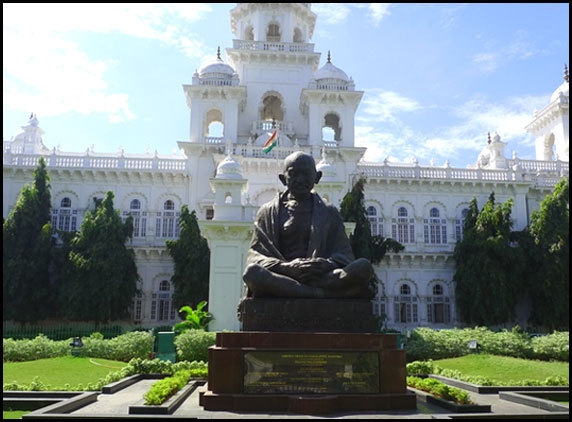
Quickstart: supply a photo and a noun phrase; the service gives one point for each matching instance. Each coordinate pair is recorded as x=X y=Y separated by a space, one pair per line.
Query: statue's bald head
x=301 y=158
x=299 y=174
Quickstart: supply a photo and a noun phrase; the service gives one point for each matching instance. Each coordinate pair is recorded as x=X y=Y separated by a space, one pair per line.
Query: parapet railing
x=273 y=46
x=542 y=173
x=96 y=161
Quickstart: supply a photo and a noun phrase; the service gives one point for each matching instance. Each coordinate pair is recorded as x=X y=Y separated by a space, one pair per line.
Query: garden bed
x=170 y=405
x=450 y=405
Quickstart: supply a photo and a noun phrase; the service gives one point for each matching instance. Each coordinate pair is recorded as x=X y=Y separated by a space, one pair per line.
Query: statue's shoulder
x=331 y=209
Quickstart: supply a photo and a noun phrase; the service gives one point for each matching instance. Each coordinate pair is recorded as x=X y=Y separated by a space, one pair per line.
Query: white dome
x=329 y=172
x=218 y=68
x=228 y=168
x=329 y=71
x=562 y=89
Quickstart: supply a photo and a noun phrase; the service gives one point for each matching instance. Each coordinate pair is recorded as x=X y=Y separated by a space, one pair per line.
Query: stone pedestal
x=307 y=315
x=306 y=373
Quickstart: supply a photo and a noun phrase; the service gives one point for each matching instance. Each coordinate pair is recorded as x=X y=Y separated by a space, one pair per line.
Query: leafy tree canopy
x=191 y=255
x=103 y=276
x=27 y=253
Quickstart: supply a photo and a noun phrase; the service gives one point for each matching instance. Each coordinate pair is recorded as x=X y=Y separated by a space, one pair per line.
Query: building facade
x=273 y=82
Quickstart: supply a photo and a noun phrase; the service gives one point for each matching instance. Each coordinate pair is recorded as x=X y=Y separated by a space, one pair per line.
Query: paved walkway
x=117 y=406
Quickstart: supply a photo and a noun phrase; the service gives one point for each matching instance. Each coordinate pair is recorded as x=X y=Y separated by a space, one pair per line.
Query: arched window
x=249 y=33
x=379 y=303
x=435 y=228
x=332 y=124
x=214 y=125
x=273 y=33
x=438 y=307
x=167 y=221
x=64 y=218
x=272 y=110
x=162 y=307
x=403 y=227
x=137 y=307
x=139 y=218
x=405 y=306
x=298 y=35
x=375 y=222
x=460 y=224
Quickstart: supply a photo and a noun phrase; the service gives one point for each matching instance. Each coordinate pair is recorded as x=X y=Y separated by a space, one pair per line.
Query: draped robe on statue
x=327 y=237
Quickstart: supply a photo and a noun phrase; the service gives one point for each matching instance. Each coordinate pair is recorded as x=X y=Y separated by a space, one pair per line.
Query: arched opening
x=273 y=32
x=332 y=123
x=272 y=108
x=298 y=35
x=549 y=147
x=249 y=33
x=214 y=124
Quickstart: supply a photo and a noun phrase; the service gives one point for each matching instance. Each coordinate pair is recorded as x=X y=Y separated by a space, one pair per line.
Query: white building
x=273 y=79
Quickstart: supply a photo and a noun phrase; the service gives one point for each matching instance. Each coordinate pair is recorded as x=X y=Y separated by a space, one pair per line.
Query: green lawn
x=14 y=414
x=78 y=370
x=57 y=372
x=503 y=368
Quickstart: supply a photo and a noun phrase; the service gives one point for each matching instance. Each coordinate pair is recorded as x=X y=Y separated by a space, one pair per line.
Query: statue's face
x=299 y=175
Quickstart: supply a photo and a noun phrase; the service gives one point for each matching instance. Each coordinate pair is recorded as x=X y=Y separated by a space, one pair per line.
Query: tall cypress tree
x=27 y=252
x=102 y=279
x=487 y=278
x=191 y=255
x=363 y=244
x=550 y=286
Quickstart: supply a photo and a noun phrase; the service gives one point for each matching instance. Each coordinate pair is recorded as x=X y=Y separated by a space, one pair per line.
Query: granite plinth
x=306 y=373
x=307 y=315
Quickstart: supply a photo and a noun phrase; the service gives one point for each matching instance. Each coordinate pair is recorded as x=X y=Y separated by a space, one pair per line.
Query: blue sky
x=437 y=77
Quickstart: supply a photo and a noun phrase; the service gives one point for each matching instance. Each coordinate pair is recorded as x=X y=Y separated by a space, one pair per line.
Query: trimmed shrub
x=194 y=344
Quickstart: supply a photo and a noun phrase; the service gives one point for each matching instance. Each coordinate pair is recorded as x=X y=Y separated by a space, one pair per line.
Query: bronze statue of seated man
x=299 y=247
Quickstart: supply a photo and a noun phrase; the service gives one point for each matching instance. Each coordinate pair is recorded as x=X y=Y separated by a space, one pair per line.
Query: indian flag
x=271 y=142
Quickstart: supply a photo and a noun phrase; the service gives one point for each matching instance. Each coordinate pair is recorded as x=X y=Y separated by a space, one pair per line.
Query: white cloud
x=486 y=62
x=378 y=11
x=380 y=127
x=338 y=13
x=383 y=106
x=516 y=49
x=331 y=13
x=45 y=71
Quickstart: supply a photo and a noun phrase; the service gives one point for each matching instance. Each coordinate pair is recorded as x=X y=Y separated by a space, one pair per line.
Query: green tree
x=550 y=287
x=363 y=244
x=191 y=255
x=488 y=282
x=102 y=279
x=28 y=295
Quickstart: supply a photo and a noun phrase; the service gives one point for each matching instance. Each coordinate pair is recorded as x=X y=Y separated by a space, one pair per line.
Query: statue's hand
x=310 y=270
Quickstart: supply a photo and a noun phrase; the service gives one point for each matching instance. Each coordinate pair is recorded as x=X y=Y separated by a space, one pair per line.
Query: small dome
x=563 y=89
x=228 y=168
x=329 y=172
x=329 y=71
x=218 y=68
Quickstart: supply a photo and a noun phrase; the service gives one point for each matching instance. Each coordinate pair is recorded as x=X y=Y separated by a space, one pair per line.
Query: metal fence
x=68 y=330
